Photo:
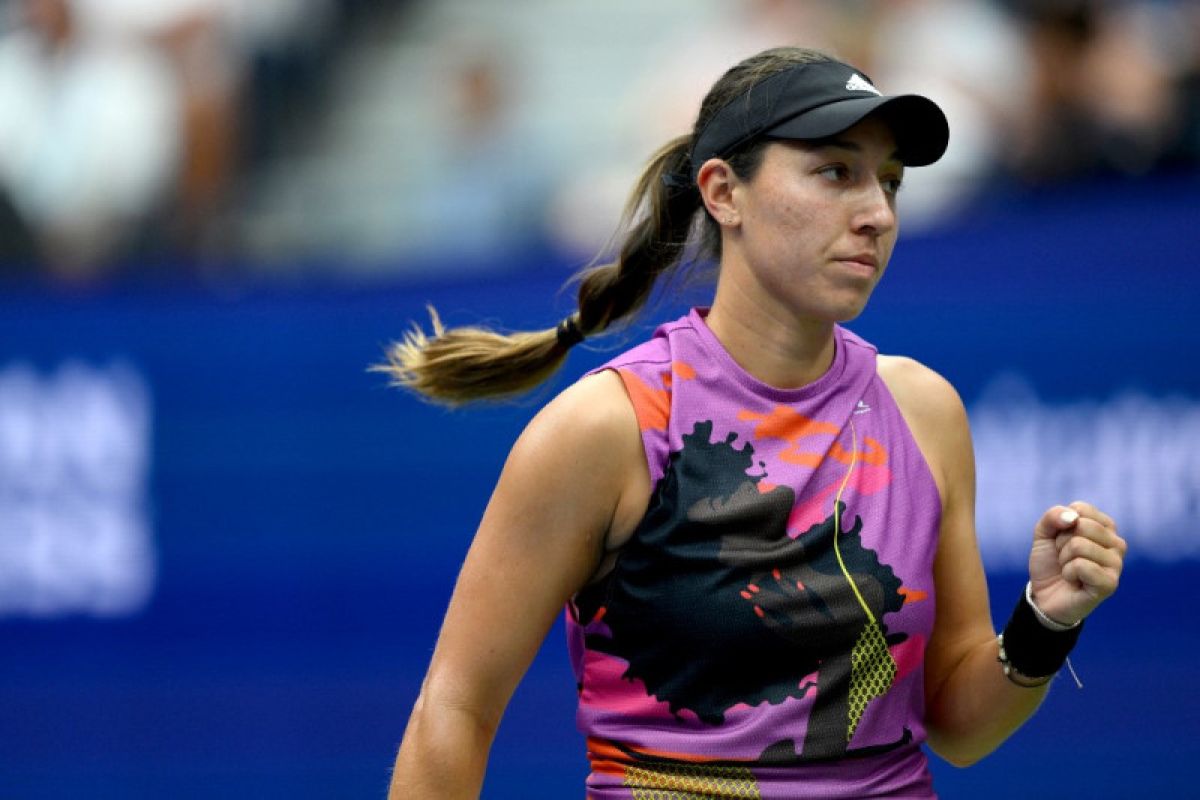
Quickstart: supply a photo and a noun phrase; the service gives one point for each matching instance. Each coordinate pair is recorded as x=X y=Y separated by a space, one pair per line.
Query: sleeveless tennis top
x=762 y=634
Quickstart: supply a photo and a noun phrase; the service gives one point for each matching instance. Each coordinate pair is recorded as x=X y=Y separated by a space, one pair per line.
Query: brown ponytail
x=459 y=365
x=465 y=364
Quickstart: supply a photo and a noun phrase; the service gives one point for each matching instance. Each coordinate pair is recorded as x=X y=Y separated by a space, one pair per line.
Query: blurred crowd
x=1038 y=92
x=125 y=124
x=130 y=129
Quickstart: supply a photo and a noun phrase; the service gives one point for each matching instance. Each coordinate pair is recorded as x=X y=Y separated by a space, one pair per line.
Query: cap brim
x=920 y=127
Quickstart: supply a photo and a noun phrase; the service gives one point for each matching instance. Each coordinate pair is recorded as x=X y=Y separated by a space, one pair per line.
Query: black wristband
x=1031 y=648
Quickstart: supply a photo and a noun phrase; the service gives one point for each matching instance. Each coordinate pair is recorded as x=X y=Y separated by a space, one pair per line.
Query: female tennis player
x=762 y=530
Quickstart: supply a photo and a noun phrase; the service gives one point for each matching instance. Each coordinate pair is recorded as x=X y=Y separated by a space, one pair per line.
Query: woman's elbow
x=956 y=750
x=960 y=761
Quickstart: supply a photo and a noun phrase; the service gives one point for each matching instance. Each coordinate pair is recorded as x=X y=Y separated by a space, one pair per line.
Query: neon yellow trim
x=837 y=521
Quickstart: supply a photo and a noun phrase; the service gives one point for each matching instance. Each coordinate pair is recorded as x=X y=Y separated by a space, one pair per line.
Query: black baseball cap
x=817 y=100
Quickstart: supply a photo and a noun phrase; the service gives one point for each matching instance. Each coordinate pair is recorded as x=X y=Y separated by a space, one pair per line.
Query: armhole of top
x=908 y=426
x=652 y=409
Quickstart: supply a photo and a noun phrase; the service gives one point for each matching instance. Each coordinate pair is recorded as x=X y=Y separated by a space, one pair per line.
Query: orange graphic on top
x=684 y=371
x=787 y=424
x=608 y=758
x=653 y=405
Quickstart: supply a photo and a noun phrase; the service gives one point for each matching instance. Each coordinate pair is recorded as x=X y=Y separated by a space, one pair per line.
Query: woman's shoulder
x=935 y=416
x=581 y=443
x=589 y=435
x=918 y=389
x=590 y=411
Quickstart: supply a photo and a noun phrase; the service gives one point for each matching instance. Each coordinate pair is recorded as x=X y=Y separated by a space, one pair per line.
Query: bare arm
x=541 y=538
x=971 y=707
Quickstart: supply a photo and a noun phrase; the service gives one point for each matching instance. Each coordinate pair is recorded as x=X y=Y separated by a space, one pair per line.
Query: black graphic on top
x=712 y=604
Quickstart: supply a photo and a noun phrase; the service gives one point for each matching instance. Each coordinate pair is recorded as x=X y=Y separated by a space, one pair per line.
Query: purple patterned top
x=763 y=632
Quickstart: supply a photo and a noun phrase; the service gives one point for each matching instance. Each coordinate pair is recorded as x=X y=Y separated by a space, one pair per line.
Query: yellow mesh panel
x=691 y=782
x=872 y=668
x=872 y=671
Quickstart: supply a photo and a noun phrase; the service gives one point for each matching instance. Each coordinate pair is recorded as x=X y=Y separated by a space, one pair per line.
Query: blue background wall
x=307 y=522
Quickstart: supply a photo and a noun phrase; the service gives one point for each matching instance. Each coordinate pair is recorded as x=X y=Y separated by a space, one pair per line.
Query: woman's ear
x=716 y=181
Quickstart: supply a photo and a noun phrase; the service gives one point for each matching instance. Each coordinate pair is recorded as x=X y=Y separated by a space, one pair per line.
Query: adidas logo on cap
x=858 y=83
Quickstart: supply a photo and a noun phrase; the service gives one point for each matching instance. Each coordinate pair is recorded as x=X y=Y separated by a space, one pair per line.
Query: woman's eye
x=892 y=185
x=834 y=172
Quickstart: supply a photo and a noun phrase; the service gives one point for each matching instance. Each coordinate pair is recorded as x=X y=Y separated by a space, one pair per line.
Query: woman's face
x=817 y=223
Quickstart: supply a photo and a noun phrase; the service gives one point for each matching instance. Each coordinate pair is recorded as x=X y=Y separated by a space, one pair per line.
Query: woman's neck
x=776 y=348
